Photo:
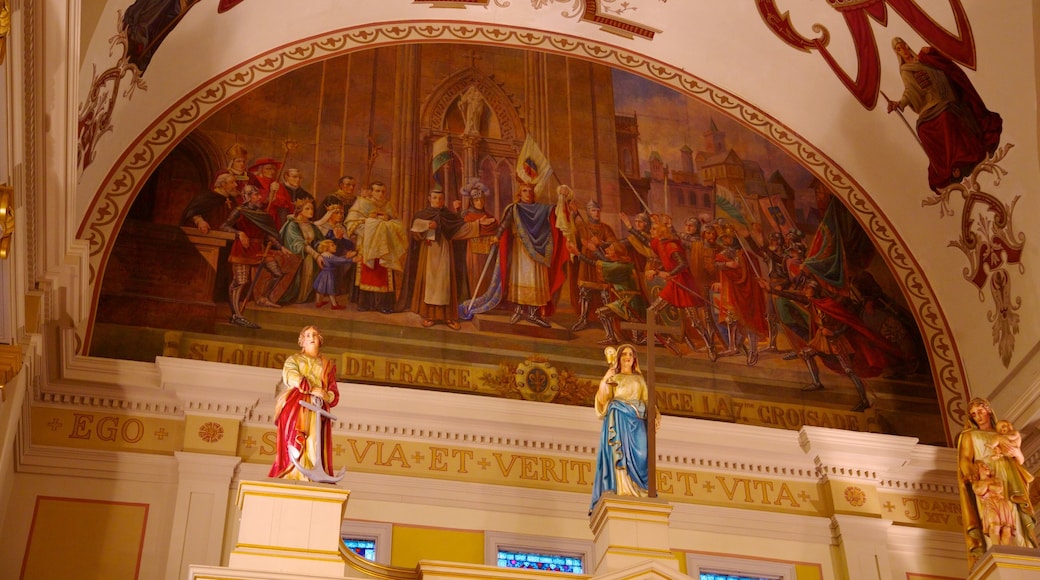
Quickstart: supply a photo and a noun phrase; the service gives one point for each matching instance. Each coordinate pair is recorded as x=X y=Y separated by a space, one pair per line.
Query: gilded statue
x=994 y=484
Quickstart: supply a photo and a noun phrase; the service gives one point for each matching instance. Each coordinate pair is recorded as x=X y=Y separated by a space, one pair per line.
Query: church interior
x=851 y=170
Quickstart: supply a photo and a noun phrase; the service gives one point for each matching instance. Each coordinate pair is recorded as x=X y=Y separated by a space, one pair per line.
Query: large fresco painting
x=487 y=220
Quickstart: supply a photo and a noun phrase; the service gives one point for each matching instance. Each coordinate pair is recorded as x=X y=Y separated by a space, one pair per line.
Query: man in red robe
x=953 y=124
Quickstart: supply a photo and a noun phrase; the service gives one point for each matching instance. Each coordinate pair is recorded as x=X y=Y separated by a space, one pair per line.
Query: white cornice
x=172 y=386
x=752 y=523
x=925 y=542
x=122 y=466
x=857 y=456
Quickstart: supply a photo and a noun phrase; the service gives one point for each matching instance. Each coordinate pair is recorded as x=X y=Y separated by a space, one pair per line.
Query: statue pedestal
x=290 y=527
x=1007 y=563
x=630 y=531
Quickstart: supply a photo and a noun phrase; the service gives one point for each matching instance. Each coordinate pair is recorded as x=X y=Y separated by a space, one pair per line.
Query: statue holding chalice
x=621 y=402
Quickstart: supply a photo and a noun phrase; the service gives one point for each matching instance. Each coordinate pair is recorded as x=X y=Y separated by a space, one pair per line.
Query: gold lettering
x=935 y=518
x=689 y=480
x=462 y=454
x=106 y=428
x=723 y=408
x=396 y=454
x=785 y=494
x=437 y=455
x=197 y=351
x=268 y=443
x=420 y=375
x=763 y=414
x=501 y=466
x=765 y=486
x=360 y=457
x=731 y=491
x=529 y=465
x=138 y=427
x=79 y=426
x=582 y=467
x=368 y=368
x=664 y=484
x=793 y=418
x=916 y=515
x=549 y=471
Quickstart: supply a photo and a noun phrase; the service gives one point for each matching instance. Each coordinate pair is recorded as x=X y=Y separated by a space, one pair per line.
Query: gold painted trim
x=270 y=551
x=375 y=569
x=6 y=208
x=10 y=365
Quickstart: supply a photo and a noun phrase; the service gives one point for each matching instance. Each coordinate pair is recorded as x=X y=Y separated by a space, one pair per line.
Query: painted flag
x=533 y=167
x=441 y=156
x=839 y=246
x=775 y=213
x=728 y=206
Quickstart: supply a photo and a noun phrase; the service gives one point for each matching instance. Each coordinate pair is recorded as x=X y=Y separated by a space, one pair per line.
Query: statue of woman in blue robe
x=621 y=463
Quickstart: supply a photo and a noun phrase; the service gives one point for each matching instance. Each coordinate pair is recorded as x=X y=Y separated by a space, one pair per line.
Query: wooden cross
x=651 y=327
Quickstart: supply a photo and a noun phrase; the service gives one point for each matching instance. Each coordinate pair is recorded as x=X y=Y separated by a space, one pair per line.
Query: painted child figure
x=325 y=284
x=1009 y=442
x=998 y=515
x=339 y=237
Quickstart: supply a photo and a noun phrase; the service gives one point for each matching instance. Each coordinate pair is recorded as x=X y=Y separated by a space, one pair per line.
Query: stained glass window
x=539 y=561
x=364 y=548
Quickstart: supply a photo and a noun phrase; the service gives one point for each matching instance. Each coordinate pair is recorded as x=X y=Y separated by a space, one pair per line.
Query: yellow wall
x=70 y=536
x=412 y=544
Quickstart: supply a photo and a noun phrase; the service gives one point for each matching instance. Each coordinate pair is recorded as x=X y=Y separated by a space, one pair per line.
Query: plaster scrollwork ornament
x=858 y=15
x=95 y=113
x=536 y=379
x=990 y=242
x=605 y=13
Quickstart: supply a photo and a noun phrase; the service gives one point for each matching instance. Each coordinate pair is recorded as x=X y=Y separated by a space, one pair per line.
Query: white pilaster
x=203 y=487
x=289 y=527
x=1007 y=563
x=629 y=532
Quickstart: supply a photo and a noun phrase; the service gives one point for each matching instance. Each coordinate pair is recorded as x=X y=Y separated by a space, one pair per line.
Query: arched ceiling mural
x=739 y=63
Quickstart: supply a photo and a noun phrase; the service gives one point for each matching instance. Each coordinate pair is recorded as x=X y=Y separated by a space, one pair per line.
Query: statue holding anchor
x=302 y=417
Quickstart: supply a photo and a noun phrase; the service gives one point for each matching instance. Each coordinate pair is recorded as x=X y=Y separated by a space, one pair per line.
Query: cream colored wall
x=723 y=43
x=187 y=512
x=97 y=484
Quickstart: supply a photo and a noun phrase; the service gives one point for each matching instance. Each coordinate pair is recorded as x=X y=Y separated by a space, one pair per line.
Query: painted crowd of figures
x=715 y=289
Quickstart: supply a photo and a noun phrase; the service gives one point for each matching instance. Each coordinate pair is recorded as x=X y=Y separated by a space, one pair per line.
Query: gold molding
x=10 y=365
x=6 y=207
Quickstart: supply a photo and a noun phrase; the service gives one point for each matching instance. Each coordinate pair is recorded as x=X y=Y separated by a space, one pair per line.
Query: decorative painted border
x=118 y=190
